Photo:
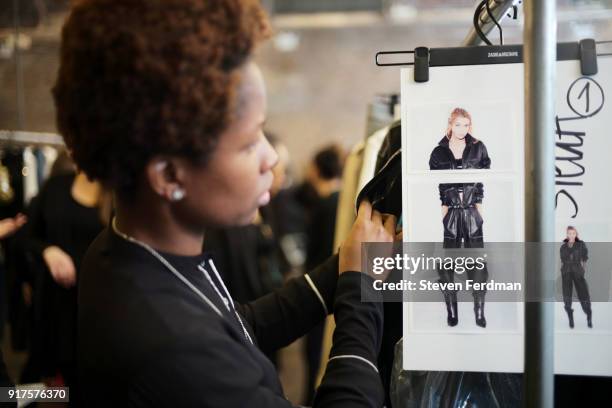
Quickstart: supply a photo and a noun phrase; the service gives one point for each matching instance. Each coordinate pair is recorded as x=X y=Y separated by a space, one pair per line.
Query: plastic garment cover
x=445 y=389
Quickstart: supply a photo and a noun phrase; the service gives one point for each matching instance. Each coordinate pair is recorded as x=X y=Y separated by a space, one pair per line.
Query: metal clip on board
x=588 y=57
x=421 y=62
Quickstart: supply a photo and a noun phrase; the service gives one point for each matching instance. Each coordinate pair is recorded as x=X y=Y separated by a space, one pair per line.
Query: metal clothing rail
x=540 y=59
x=18 y=137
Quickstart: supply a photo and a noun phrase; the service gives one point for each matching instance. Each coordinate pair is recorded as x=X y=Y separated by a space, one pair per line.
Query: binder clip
x=588 y=57
x=421 y=64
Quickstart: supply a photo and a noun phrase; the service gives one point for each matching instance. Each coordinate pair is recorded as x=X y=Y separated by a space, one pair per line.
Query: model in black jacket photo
x=162 y=103
x=461 y=204
x=574 y=256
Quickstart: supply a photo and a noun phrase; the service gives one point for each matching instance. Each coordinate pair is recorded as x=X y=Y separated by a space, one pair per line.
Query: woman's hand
x=9 y=226
x=444 y=210
x=370 y=226
x=61 y=266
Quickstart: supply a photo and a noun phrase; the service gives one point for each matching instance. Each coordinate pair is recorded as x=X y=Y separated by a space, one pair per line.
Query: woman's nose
x=270 y=157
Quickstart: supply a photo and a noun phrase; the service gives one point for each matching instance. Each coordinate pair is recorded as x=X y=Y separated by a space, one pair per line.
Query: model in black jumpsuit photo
x=462 y=220
x=574 y=255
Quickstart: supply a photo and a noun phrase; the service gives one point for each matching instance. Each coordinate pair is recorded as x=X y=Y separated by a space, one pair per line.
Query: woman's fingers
x=365 y=210
x=376 y=218
x=390 y=223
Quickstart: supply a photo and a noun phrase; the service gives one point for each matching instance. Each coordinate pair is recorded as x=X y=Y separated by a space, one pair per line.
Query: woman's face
x=571 y=234
x=229 y=189
x=460 y=127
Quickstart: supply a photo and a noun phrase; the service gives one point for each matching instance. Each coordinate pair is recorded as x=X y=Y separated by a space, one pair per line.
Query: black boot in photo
x=570 y=316
x=590 y=320
x=479 y=313
x=450 y=298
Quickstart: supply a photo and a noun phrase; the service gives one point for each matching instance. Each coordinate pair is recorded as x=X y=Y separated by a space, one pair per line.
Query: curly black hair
x=144 y=77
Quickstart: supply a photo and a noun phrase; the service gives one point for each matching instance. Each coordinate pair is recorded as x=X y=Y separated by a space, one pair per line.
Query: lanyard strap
x=176 y=273
x=227 y=301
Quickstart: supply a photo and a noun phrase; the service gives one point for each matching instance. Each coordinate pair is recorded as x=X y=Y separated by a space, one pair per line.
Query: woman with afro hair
x=161 y=102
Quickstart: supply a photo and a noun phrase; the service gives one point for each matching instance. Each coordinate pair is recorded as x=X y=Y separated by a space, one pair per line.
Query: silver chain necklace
x=227 y=301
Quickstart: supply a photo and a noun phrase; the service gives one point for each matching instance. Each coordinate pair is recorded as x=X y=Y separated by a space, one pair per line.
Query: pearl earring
x=177 y=194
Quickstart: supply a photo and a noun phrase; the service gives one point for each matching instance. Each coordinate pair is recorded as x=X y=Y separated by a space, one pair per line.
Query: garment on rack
x=370 y=156
x=30 y=175
x=381 y=112
x=45 y=158
x=12 y=159
x=391 y=144
x=345 y=215
x=384 y=190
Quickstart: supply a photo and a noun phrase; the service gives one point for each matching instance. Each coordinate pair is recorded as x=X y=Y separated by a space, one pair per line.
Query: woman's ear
x=164 y=176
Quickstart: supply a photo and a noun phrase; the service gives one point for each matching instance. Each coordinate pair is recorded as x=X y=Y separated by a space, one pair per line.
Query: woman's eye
x=251 y=146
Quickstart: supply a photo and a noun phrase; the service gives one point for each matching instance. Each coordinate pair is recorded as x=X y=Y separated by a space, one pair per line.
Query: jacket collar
x=469 y=139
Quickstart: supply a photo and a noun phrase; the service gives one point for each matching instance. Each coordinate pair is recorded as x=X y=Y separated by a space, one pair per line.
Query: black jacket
x=147 y=340
x=475 y=156
x=576 y=254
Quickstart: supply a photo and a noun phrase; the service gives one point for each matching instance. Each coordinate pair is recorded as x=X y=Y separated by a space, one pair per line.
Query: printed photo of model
x=461 y=204
x=574 y=256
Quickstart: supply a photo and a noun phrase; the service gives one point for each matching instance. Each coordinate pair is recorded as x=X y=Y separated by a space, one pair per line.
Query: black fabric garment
x=391 y=143
x=475 y=156
x=389 y=157
x=572 y=274
x=384 y=191
x=56 y=219
x=147 y=340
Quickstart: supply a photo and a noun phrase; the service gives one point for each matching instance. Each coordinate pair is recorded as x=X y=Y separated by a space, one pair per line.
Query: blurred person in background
x=66 y=216
x=32 y=279
x=325 y=176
